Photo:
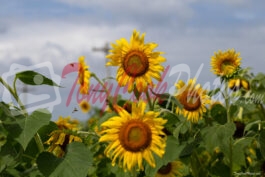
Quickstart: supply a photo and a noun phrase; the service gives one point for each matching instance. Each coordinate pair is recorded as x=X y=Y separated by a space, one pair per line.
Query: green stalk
x=101 y=83
x=227 y=103
x=13 y=91
x=149 y=100
x=229 y=120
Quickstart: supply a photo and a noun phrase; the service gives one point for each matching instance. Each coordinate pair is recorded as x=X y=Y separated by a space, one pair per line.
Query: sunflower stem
x=102 y=84
x=227 y=103
x=13 y=92
x=149 y=101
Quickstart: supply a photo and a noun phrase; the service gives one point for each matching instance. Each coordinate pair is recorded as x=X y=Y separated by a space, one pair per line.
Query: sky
x=33 y=32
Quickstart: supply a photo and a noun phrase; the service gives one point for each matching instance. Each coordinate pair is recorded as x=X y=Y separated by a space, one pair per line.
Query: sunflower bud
x=244 y=84
x=231 y=83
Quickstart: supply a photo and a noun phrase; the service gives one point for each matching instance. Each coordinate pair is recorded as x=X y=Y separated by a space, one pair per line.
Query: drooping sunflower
x=193 y=98
x=172 y=169
x=226 y=63
x=67 y=123
x=137 y=62
x=83 y=75
x=58 y=141
x=134 y=136
x=65 y=134
x=85 y=106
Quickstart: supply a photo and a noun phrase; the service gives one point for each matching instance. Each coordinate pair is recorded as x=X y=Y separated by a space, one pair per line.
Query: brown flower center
x=190 y=100
x=135 y=63
x=226 y=64
x=166 y=169
x=135 y=135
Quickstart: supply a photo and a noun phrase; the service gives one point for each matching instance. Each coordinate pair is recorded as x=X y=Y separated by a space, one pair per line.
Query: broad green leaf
x=32 y=124
x=218 y=112
x=219 y=136
x=238 y=152
x=76 y=162
x=34 y=78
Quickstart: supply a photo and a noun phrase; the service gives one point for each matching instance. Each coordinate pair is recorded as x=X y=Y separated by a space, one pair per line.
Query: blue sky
x=189 y=32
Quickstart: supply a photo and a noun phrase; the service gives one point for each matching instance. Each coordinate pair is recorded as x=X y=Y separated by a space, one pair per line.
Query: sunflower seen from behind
x=171 y=169
x=64 y=135
x=137 y=62
x=193 y=98
x=83 y=75
x=225 y=63
x=134 y=137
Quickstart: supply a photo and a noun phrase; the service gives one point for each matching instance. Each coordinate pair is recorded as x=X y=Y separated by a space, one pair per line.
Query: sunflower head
x=170 y=169
x=225 y=64
x=83 y=75
x=67 y=123
x=58 y=141
x=134 y=137
x=137 y=62
x=193 y=98
x=85 y=106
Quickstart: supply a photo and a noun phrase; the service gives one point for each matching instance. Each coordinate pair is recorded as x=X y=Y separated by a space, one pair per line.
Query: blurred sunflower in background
x=84 y=106
x=137 y=62
x=193 y=98
x=134 y=136
x=172 y=169
x=225 y=64
x=66 y=133
x=83 y=75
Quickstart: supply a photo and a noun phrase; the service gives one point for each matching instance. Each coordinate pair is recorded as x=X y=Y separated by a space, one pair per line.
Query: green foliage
x=34 y=78
x=31 y=124
x=76 y=162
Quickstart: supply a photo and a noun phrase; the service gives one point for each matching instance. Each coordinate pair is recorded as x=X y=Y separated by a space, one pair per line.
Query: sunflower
x=225 y=64
x=137 y=62
x=83 y=75
x=172 y=169
x=193 y=98
x=134 y=136
x=67 y=123
x=58 y=141
x=85 y=106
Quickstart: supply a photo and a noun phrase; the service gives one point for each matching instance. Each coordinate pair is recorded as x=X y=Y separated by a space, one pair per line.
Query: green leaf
x=218 y=112
x=238 y=152
x=76 y=162
x=219 y=136
x=34 y=78
x=32 y=124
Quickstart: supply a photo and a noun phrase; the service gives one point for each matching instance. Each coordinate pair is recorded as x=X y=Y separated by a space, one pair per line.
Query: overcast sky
x=189 y=32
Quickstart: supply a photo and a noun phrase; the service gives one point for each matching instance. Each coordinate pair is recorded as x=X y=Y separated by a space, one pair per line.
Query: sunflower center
x=190 y=100
x=135 y=136
x=226 y=63
x=166 y=169
x=135 y=63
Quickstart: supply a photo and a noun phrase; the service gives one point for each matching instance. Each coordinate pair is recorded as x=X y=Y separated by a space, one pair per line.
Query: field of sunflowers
x=185 y=134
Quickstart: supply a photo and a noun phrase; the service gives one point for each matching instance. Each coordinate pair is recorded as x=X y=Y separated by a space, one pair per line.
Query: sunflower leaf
x=31 y=124
x=34 y=78
x=76 y=162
